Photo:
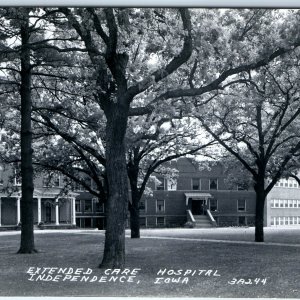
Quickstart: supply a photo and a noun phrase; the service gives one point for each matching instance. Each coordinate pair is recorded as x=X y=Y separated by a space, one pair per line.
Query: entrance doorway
x=198 y=207
x=48 y=214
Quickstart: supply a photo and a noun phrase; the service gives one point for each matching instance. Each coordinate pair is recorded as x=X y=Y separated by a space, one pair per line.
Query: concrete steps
x=202 y=221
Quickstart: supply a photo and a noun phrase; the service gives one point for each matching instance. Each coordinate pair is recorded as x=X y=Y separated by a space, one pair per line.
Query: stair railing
x=190 y=217
x=211 y=218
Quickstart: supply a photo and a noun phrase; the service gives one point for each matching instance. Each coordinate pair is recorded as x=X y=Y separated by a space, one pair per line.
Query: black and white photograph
x=149 y=152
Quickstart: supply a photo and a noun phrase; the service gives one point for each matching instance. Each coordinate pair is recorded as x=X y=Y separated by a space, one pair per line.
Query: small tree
x=153 y=141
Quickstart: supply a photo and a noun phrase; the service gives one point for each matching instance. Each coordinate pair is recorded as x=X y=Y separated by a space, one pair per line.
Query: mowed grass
x=157 y=250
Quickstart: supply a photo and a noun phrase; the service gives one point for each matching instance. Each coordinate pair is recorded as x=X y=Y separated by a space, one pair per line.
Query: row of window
x=53 y=180
x=161 y=221
x=292 y=220
x=212 y=205
x=287 y=183
x=285 y=203
x=89 y=206
x=171 y=185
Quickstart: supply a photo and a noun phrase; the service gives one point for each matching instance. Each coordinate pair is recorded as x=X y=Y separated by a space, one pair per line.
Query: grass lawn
x=271 y=269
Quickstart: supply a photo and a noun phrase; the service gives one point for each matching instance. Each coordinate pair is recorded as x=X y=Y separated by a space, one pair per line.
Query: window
x=213 y=184
x=142 y=205
x=77 y=206
x=56 y=180
x=87 y=223
x=88 y=205
x=171 y=184
x=196 y=184
x=213 y=204
x=241 y=205
x=51 y=180
x=160 y=186
x=143 y=222
x=1 y=174
x=77 y=187
x=17 y=178
x=160 y=206
x=242 y=221
x=98 y=207
x=272 y=203
x=93 y=185
x=160 y=221
x=242 y=186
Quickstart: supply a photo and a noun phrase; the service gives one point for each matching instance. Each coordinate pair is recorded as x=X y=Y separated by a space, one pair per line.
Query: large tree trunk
x=133 y=171
x=134 y=215
x=27 y=235
x=117 y=203
x=260 y=203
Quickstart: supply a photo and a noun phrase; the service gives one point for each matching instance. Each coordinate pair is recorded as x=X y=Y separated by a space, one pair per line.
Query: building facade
x=283 y=204
x=196 y=198
x=197 y=193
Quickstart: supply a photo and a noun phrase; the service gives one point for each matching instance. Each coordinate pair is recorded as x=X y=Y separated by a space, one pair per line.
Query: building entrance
x=48 y=214
x=198 y=207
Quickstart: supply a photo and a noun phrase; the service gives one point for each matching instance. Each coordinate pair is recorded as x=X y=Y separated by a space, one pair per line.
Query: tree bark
x=260 y=203
x=134 y=215
x=117 y=202
x=133 y=171
x=27 y=235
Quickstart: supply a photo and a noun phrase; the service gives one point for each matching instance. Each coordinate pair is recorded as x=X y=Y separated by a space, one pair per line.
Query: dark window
x=143 y=222
x=46 y=181
x=55 y=180
x=161 y=184
x=87 y=222
x=1 y=174
x=51 y=180
x=77 y=186
x=160 y=221
x=242 y=221
x=77 y=206
x=213 y=204
x=241 y=205
x=242 y=186
x=213 y=184
x=88 y=205
x=142 y=205
x=98 y=207
x=160 y=205
x=195 y=184
x=17 y=176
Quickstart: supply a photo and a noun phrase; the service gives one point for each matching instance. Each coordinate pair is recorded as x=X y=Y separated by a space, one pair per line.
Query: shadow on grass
x=197 y=269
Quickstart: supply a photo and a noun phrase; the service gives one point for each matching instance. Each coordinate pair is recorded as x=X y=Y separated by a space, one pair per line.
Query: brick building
x=201 y=198
x=197 y=198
